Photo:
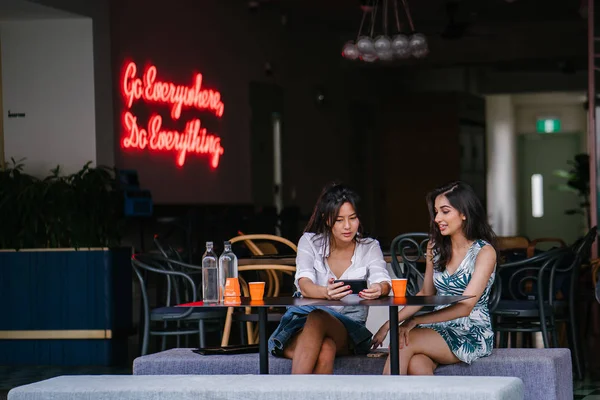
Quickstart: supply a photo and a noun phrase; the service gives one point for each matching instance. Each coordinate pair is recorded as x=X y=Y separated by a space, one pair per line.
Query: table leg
x=262 y=340
x=394 y=357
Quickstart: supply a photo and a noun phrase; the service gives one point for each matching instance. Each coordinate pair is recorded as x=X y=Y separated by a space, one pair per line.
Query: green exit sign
x=548 y=125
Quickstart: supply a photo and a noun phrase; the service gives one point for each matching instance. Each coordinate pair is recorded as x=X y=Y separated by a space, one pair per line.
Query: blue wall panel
x=65 y=290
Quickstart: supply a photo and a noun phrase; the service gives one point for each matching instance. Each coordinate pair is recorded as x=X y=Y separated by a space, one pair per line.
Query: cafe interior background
x=501 y=97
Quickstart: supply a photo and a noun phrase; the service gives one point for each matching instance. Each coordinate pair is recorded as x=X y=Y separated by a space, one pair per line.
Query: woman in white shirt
x=331 y=248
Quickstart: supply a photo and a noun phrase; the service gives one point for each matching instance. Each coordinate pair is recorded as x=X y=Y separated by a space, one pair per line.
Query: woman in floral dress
x=460 y=261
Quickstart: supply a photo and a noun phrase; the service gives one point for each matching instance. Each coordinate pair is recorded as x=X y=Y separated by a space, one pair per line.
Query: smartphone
x=356 y=285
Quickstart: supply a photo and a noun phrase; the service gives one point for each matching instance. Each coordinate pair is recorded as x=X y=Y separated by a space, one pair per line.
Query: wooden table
x=392 y=302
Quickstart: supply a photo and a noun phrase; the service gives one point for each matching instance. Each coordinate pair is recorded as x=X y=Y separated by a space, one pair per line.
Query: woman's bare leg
x=420 y=364
x=326 y=357
x=310 y=351
x=427 y=342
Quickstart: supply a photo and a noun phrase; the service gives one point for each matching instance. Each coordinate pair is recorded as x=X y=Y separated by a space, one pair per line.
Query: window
x=537 y=195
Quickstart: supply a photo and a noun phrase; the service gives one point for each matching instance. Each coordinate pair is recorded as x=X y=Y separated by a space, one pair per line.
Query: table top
x=351 y=300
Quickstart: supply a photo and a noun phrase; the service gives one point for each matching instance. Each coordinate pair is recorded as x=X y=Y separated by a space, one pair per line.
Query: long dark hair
x=462 y=197
x=325 y=213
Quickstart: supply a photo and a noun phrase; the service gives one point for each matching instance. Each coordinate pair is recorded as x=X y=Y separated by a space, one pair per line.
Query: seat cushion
x=546 y=373
x=291 y=387
x=520 y=309
x=185 y=361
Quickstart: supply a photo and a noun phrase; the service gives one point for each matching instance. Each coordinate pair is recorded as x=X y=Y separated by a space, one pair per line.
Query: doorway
x=542 y=205
x=266 y=128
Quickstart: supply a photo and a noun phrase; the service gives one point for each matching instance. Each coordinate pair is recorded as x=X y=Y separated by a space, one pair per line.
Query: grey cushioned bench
x=270 y=387
x=546 y=373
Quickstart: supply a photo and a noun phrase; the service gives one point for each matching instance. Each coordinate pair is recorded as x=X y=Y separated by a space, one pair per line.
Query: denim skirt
x=295 y=318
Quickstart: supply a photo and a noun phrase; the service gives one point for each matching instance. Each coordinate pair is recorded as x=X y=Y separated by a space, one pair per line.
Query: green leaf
x=561 y=173
x=59 y=211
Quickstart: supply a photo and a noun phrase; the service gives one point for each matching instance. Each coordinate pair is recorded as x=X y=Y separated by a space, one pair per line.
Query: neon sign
x=194 y=139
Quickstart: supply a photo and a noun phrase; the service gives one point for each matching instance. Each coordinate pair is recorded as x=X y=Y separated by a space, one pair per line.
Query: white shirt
x=367 y=263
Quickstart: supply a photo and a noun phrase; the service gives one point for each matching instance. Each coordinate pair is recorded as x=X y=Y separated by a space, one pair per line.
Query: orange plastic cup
x=399 y=287
x=232 y=300
x=257 y=290
x=232 y=288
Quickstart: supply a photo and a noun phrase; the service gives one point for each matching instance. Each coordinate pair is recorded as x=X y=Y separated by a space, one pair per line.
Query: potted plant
x=67 y=281
x=578 y=182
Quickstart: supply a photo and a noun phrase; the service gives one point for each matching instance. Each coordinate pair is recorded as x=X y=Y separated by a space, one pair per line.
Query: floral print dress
x=469 y=338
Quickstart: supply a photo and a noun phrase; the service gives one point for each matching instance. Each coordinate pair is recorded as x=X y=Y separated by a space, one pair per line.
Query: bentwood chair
x=522 y=293
x=273 y=286
x=261 y=245
x=411 y=249
x=511 y=242
x=166 y=319
x=533 y=294
x=165 y=249
x=264 y=244
x=516 y=248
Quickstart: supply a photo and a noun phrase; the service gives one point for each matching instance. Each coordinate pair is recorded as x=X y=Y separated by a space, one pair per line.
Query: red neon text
x=193 y=139
x=151 y=90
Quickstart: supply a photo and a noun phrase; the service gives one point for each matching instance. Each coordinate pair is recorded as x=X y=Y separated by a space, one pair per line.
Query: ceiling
x=431 y=12
x=533 y=35
x=530 y=33
x=24 y=10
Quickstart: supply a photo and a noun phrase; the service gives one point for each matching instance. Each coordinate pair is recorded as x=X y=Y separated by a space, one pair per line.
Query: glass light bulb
x=387 y=55
x=368 y=57
x=365 y=45
x=421 y=52
x=417 y=42
x=403 y=53
x=399 y=42
x=350 y=51
x=382 y=44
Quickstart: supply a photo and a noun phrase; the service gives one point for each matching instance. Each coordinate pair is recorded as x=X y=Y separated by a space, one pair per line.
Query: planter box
x=65 y=306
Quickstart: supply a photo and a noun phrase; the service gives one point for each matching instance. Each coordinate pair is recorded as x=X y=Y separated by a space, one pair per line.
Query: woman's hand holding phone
x=337 y=290
x=372 y=293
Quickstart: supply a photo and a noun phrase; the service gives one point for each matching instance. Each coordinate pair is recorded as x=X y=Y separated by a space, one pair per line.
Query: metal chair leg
x=145 y=337
x=578 y=360
x=202 y=338
x=243 y=332
x=554 y=330
x=163 y=340
x=544 y=328
x=504 y=339
x=513 y=339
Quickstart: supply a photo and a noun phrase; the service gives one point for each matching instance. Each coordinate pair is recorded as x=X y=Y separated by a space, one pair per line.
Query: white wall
x=566 y=106
x=506 y=117
x=99 y=11
x=48 y=74
x=502 y=164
